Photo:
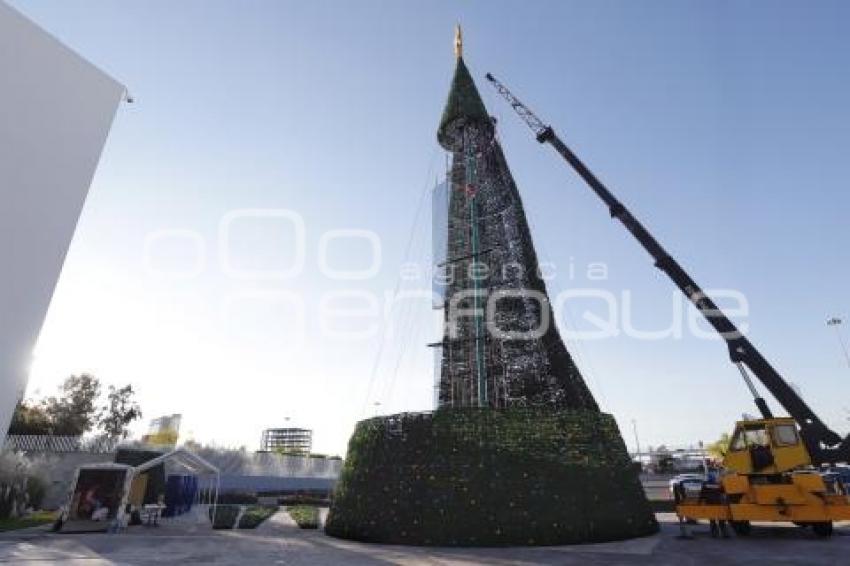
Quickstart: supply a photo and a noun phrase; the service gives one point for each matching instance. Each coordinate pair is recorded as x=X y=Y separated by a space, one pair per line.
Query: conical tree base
x=484 y=477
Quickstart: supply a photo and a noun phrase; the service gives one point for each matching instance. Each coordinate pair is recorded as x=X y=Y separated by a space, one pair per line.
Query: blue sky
x=722 y=125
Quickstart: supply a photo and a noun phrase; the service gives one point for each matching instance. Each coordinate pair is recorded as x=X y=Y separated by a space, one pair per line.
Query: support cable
x=414 y=225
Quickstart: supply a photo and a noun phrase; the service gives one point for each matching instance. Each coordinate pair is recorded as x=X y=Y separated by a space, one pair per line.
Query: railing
x=49 y=443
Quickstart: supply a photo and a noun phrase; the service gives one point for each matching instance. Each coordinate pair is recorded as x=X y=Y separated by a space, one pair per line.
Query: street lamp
x=637 y=442
x=836 y=323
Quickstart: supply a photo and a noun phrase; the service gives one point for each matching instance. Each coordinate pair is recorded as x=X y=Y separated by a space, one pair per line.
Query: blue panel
x=439 y=238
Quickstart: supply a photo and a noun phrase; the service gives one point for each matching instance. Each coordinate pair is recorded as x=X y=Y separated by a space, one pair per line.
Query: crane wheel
x=741 y=528
x=822 y=528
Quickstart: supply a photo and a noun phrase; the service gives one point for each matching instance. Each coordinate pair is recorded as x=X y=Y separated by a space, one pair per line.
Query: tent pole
x=217 y=486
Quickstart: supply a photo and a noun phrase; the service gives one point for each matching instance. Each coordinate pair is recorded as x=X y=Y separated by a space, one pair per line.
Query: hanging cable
x=410 y=333
x=422 y=199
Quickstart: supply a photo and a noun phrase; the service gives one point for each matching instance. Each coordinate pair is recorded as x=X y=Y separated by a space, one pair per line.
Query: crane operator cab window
x=750 y=436
x=785 y=435
x=754 y=438
x=759 y=445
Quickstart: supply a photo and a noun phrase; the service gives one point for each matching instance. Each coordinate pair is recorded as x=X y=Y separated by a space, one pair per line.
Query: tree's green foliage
x=30 y=418
x=120 y=410
x=482 y=477
x=464 y=105
x=720 y=447
x=74 y=412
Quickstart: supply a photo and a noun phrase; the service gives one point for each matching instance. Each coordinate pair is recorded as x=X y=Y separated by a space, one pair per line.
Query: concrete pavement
x=280 y=542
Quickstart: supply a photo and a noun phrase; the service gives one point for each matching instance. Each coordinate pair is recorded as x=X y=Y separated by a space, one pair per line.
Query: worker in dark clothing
x=712 y=492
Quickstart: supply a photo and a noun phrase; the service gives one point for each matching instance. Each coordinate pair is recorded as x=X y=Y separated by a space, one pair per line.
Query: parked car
x=837 y=479
x=686 y=485
x=843 y=473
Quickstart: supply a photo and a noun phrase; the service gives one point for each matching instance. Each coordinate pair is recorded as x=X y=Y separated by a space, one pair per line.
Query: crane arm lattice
x=824 y=444
x=529 y=117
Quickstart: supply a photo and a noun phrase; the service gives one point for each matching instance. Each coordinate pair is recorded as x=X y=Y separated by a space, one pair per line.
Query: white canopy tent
x=199 y=467
x=124 y=480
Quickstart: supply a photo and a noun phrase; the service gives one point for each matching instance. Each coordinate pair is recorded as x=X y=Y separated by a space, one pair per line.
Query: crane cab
x=766 y=447
x=769 y=477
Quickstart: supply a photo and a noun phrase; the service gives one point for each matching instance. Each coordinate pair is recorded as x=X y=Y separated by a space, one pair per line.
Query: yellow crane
x=769 y=478
x=774 y=465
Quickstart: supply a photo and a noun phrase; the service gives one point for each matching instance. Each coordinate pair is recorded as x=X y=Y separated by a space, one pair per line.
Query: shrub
x=20 y=486
x=36 y=490
x=303 y=499
x=225 y=516
x=252 y=515
x=256 y=514
x=305 y=516
x=237 y=498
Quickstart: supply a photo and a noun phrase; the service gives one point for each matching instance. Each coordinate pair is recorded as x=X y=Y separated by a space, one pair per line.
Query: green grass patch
x=305 y=516
x=32 y=520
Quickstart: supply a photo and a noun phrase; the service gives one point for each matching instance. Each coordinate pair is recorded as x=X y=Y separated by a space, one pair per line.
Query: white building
x=56 y=109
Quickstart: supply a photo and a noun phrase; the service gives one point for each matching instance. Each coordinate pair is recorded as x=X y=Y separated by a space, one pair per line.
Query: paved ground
x=280 y=542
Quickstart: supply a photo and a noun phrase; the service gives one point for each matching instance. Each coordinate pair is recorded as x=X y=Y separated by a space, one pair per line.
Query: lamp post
x=637 y=441
x=836 y=323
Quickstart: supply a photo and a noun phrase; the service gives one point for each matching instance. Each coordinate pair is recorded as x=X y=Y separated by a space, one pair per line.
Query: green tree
x=120 y=410
x=720 y=447
x=30 y=418
x=74 y=411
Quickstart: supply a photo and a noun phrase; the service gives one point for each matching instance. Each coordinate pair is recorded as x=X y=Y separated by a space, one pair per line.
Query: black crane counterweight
x=824 y=445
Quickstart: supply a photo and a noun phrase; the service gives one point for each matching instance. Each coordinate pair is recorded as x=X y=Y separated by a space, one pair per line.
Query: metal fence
x=49 y=443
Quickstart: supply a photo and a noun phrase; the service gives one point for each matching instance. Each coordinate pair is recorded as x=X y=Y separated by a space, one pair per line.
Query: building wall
x=239 y=470
x=56 y=109
x=58 y=469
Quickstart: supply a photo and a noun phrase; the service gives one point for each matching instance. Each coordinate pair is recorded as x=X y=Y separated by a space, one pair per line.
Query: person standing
x=712 y=493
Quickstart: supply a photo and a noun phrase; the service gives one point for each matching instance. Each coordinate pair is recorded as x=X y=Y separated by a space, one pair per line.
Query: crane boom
x=824 y=444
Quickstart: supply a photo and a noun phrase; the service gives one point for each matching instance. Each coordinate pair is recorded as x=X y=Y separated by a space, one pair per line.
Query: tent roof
x=185 y=458
x=105 y=466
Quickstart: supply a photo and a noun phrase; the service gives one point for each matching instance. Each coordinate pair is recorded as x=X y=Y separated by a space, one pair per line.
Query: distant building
x=163 y=431
x=295 y=441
